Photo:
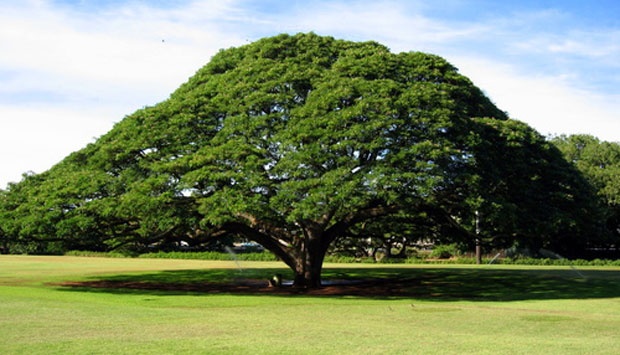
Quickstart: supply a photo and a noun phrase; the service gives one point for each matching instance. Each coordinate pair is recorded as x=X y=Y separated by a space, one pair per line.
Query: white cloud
x=547 y=103
x=66 y=75
x=401 y=25
x=140 y=49
x=35 y=138
x=593 y=45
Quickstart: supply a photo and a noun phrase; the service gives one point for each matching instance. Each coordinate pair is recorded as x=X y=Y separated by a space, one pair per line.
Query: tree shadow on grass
x=439 y=284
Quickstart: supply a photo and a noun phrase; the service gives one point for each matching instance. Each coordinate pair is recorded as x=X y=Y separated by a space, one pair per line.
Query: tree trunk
x=309 y=264
x=310 y=277
x=304 y=258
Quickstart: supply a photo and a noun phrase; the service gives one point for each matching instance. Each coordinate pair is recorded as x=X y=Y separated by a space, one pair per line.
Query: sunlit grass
x=454 y=310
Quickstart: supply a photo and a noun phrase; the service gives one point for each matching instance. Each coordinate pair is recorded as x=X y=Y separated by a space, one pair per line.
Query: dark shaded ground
x=426 y=283
x=361 y=288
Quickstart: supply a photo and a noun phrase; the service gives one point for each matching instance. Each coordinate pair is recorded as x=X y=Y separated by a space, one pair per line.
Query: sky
x=70 y=69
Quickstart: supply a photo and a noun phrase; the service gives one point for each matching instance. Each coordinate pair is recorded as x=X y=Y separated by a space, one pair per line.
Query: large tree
x=291 y=141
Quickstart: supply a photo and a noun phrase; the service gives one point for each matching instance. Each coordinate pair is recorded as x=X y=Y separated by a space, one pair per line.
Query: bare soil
x=363 y=288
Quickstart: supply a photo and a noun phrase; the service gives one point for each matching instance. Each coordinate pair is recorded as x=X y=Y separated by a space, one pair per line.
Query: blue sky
x=70 y=69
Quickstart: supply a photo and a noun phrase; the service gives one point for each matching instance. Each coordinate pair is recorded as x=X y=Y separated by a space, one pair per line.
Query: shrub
x=445 y=251
x=211 y=255
x=99 y=254
x=442 y=254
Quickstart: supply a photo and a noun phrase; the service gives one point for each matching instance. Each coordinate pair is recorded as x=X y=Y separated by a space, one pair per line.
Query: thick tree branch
x=372 y=211
x=271 y=243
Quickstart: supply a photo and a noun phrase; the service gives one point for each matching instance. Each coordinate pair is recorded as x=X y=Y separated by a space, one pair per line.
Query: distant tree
x=599 y=162
x=4 y=239
x=295 y=142
x=526 y=192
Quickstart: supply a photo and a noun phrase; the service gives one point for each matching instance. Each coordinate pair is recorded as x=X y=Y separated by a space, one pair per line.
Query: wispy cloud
x=74 y=52
x=400 y=24
x=67 y=74
x=548 y=103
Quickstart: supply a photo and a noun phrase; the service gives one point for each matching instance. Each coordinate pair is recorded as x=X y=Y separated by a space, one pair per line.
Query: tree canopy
x=297 y=141
x=599 y=163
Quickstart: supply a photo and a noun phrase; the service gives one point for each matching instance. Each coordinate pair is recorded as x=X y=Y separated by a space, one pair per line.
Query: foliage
x=211 y=255
x=599 y=162
x=296 y=142
x=526 y=192
x=444 y=254
x=560 y=262
x=98 y=254
x=445 y=251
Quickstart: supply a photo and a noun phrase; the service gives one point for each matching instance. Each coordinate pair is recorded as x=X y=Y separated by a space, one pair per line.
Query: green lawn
x=444 y=310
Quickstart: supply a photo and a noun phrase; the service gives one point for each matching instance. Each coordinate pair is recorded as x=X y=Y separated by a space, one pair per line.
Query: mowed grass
x=444 y=310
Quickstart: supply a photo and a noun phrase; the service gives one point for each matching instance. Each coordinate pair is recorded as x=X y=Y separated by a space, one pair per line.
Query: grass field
x=444 y=310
